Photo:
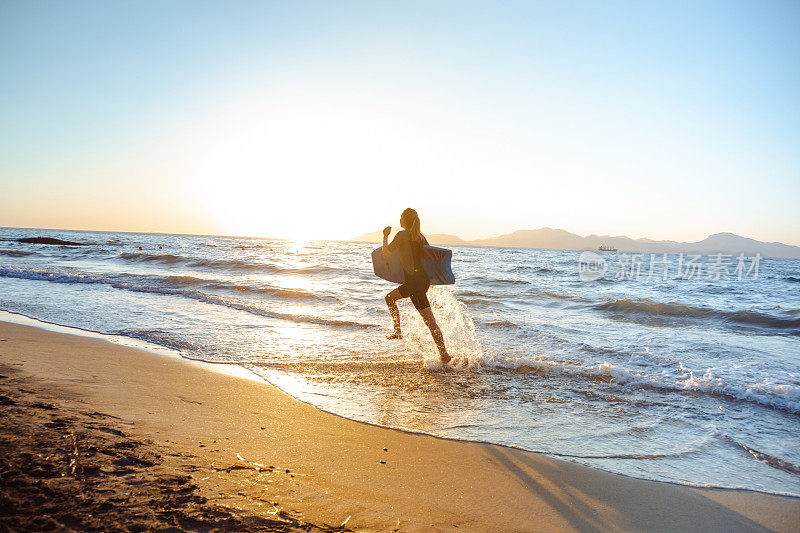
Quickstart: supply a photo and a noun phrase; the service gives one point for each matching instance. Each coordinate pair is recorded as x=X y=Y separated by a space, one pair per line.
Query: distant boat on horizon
x=607 y=249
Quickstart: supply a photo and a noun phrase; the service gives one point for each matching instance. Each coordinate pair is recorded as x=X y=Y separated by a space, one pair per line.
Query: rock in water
x=49 y=240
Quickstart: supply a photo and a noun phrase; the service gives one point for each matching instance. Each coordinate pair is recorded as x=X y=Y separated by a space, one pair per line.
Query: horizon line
x=358 y=238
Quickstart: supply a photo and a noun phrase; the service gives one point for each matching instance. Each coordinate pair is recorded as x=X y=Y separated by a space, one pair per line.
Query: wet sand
x=98 y=435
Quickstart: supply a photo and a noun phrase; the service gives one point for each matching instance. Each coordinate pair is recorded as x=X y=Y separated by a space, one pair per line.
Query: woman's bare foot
x=395 y=335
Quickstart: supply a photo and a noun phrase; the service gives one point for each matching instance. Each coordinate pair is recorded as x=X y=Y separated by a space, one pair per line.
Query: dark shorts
x=416 y=288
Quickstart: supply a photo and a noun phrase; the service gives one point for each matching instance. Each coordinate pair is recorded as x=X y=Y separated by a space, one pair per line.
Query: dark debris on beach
x=64 y=469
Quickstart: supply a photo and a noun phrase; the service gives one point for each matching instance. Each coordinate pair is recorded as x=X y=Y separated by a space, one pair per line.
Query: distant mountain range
x=559 y=239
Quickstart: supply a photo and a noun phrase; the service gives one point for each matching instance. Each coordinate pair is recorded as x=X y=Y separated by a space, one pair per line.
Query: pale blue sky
x=325 y=119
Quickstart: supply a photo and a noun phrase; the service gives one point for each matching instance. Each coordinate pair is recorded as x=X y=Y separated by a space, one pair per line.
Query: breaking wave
x=16 y=253
x=223 y=264
x=562 y=296
x=785 y=397
x=771 y=460
x=646 y=306
x=183 y=286
x=530 y=268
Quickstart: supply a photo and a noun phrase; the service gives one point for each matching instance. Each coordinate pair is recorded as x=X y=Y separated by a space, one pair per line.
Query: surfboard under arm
x=436 y=262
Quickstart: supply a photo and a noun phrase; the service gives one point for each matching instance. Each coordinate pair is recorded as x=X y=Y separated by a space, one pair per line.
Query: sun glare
x=298 y=243
x=298 y=172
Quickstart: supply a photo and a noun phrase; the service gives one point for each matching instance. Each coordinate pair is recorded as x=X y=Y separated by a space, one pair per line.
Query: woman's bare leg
x=391 y=298
x=436 y=333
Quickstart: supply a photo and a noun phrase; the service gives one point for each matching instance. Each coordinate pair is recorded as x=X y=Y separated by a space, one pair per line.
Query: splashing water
x=458 y=329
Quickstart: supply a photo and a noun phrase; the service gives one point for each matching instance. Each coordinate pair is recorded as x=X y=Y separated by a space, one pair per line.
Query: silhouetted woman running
x=408 y=243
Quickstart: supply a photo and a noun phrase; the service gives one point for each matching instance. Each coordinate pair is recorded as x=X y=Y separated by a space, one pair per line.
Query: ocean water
x=690 y=378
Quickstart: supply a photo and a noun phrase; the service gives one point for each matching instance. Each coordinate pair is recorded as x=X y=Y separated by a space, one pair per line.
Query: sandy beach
x=157 y=441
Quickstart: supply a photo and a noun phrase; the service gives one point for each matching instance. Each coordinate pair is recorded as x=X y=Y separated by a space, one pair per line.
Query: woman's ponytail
x=412 y=222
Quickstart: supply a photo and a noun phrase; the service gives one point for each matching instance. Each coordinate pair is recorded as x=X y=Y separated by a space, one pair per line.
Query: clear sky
x=668 y=120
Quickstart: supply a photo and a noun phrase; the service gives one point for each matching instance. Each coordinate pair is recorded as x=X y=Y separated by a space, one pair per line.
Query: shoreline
x=234 y=369
x=230 y=369
x=434 y=481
